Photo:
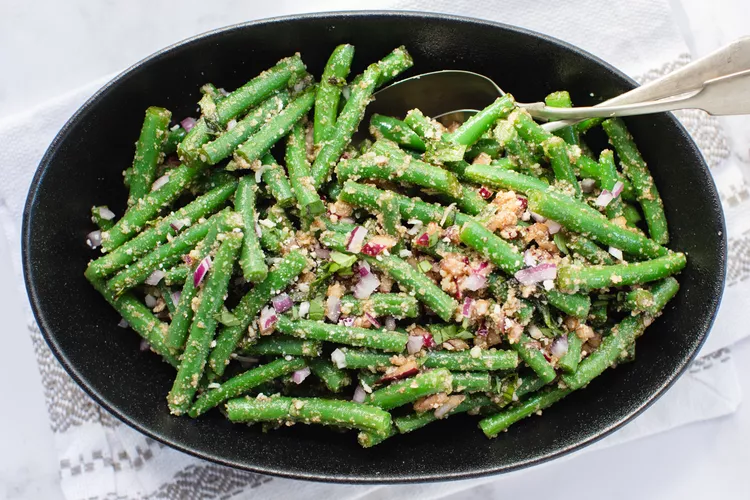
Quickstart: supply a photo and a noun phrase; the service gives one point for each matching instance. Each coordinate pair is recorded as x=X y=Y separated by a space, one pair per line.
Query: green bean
x=499 y=289
x=409 y=390
x=534 y=358
x=473 y=128
x=405 y=169
x=393 y=64
x=575 y=277
x=471 y=382
x=423 y=126
x=516 y=148
x=166 y=295
x=636 y=170
x=559 y=159
x=662 y=292
x=244 y=382
x=576 y=304
x=528 y=129
x=176 y=275
x=341 y=334
x=174 y=250
x=588 y=249
x=310 y=411
x=610 y=177
x=398 y=305
x=139 y=214
x=607 y=353
x=102 y=222
x=499 y=178
x=415 y=421
x=354 y=358
x=631 y=214
x=498 y=251
x=599 y=313
x=569 y=361
x=139 y=318
x=367 y=197
x=395 y=130
x=369 y=439
x=494 y=424
x=222 y=147
x=591 y=169
x=202 y=330
x=391 y=218
x=485 y=360
x=148 y=151
x=329 y=91
x=277 y=182
x=252 y=258
x=308 y=200
x=490 y=147
x=578 y=217
x=346 y=124
x=284 y=346
x=252 y=93
x=561 y=99
x=585 y=125
x=333 y=378
x=250 y=305
x=174 y=137
x=638 y=300
x=277 y=127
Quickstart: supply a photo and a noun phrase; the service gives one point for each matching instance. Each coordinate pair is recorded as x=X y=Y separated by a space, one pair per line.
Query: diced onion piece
x=373 y=321
x=201 y=270
x=367 y=284
x=259 y=172
x=429 y=342
x=616 y=253
x=536 y=274
x=267 y=319
x=529 y=259
x=449 y=406
x=155 y=277
x=94 y=239
x=534 y=332
x=304 y=308
x=176 y=295
x=466 y=309
x=339 y=358
x=282 y=303
x=604 y=198
x=333 y=308
x=356 y=239
x=322 y=253
x=474 y=282
x=348 y=321
x=559 y=346
x=299 y=376
x=552 y=226
x=416 y=226
x=537 y=217
x=414 y=344
x=390 y=323
x=188 y=123
x=359 y=395
x=617 y=188
x=123 y=323
x=150 y=300
x=144 y=346
x=160 y=182
x=106 y=214
x=485 y=193
x=588 y=185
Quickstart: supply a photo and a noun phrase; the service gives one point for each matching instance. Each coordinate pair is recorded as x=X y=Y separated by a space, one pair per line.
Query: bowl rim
x=100 y=399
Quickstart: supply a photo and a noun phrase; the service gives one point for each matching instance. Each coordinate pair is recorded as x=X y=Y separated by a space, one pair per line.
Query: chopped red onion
x=466 y=309
x=160 y=182
x=367 y=283
x=177 y=224
x=483 y=269
x=282 y=303
x=201 y=270
x=423 y=240
x=123 y=323
x=617 y=189
x=548 y=284
x=231 y=124
x=359 y=395
x=604 y=198
x=402 y=372
x=373 y=321
x=267 y=319
x=333 y=308
x=449 y=406
x=372 y=249
x=474 y=282
x=258 y=230
x=363 y=268
x=524 y=202
x=150 y=300
x=176 y=295
x=536 y=274
x=429 y=342
x=552 y=226
x=356 y=239
x=155 y=277
x=259 y=173
x=348 y=321
x=94 y=239
x=414 y=344
x=145 y=346
x=534 y=332
x=529 y=259
x=339 y=358
x=616 y=253
x=482 y=331
x=322 y=253
x=559 y=346
x=485 y=193
x=390 y=323
x=299 y=376
x=588 y=185
x=537 y=217
x=304 y=308
x=416 y=226
x=188 y=123
x=106 y=214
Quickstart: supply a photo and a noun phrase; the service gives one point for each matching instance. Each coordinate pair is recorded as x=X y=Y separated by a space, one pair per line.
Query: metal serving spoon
x=718 y=83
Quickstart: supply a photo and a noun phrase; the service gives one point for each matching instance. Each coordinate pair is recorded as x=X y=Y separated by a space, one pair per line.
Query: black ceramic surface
x=83 y=167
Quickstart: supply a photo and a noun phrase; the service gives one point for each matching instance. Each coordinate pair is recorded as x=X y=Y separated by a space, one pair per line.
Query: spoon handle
x=732 y=58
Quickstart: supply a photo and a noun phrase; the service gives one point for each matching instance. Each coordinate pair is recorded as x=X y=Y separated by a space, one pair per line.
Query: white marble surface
x=48 y=47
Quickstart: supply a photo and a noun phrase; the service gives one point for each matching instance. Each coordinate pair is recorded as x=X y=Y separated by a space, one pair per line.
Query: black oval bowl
x=84 y=164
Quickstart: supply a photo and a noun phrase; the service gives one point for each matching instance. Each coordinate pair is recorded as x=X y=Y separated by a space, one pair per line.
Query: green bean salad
x=488 y=267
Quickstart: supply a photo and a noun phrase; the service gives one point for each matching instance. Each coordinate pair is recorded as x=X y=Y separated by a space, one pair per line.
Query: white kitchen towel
x=101 y=458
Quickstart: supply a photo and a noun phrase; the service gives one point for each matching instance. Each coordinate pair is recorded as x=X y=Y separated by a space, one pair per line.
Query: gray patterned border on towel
x=69 y=406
